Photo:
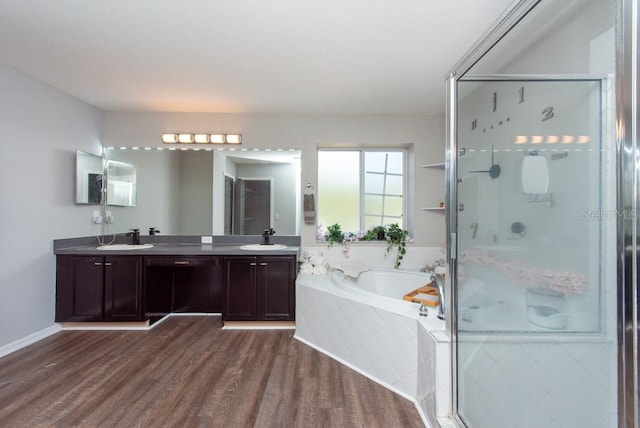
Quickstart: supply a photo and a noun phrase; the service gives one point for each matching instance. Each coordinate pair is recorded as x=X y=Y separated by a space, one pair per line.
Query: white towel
x=318 y=260
x=306 y=268
x=320 y=270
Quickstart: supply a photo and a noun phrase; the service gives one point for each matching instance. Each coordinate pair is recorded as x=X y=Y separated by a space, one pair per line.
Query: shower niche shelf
x=439 y=165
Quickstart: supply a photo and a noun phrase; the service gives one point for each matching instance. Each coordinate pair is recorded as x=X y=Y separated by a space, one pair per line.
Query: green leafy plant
x=376 y=233
x=334 y=234
x=397 y=236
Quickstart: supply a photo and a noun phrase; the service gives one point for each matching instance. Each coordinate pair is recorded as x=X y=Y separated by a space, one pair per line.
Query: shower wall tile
x=548 y=383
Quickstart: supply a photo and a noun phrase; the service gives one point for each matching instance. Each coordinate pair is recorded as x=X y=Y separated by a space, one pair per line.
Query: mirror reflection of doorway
x=253 y=205
x=228 y=205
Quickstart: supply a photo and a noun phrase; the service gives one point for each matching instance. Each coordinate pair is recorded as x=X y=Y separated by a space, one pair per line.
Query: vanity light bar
x=202 y=138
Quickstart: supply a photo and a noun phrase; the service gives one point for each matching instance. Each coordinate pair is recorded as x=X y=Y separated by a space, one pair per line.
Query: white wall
x=307 y=132
x=40 y=130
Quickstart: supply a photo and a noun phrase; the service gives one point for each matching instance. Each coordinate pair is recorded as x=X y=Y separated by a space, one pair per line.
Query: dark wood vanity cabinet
x=259 y=288
x=103 y=288
x=183 y=284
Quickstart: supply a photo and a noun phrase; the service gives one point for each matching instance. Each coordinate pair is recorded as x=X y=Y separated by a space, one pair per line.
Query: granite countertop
x=178 y=246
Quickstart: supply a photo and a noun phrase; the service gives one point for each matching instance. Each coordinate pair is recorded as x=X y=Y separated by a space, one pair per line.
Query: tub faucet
x=439 y=280
x=423 y=310
x=266 y=234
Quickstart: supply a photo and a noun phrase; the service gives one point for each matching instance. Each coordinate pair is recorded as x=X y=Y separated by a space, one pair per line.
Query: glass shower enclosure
x=532 y=188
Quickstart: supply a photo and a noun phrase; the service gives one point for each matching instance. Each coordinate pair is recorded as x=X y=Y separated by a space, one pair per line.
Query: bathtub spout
x=439 y=280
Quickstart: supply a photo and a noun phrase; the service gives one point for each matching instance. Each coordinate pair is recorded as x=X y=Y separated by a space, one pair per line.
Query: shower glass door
x=534 y=285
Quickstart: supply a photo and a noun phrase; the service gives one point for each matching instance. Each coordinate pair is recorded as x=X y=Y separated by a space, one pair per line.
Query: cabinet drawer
x=179 y=261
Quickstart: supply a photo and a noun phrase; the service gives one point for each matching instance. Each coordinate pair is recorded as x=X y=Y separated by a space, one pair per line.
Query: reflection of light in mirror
x=553 y=139
x=537 y=139
x=521 y=139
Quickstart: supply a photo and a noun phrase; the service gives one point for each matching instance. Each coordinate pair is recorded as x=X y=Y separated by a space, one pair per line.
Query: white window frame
x=402 y=222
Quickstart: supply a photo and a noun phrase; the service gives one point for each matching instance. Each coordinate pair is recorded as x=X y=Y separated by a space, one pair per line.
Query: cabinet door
x=123 y=290
x=240 y=289
x=79 y=288
x=276 y=288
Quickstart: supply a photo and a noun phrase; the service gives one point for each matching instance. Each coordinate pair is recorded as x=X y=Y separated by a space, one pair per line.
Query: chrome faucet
x=439 y=280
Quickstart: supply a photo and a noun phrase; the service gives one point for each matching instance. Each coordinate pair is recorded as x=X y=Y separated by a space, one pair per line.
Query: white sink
x=263 y=247
x=117 y=247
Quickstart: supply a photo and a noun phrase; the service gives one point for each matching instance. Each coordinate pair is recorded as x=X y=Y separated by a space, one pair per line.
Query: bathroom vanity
x=145 y=284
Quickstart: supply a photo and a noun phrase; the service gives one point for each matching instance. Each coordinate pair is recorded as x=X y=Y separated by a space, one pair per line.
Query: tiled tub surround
x=385 y=339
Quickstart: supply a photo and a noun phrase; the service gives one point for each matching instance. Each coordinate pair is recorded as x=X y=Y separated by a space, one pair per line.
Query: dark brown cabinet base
x=140 y=288
x=260 y=288
x=98 y=288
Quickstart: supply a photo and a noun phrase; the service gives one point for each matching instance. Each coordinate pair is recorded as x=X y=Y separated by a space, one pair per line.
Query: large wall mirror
x=211 y=192
x=89 y=174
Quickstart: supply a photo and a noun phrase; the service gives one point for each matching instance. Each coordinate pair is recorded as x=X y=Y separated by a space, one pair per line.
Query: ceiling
x=246 y=56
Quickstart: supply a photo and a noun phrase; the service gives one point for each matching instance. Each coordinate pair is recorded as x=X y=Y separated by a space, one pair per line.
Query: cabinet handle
x=97 y=264
x=263 y=264
x=180 y=263
x=252 y=264
x=107 y=264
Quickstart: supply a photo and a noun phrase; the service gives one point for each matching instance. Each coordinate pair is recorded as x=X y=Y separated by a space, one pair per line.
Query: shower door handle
x=454 y=245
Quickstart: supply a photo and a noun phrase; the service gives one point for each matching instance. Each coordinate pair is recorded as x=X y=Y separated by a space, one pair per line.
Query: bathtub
x=364 y=323
x=389 y=283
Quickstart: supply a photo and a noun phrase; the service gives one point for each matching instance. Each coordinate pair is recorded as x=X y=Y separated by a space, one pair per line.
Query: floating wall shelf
x=434 y=165
x=439 y=165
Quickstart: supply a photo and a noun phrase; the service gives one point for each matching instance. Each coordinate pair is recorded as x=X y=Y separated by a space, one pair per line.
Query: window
x=360 y=189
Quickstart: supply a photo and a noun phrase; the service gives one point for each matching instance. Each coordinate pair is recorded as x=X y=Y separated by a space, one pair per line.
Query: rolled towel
x=318 y=260
x=320 y=270
x=308 y=254
x=306 y=268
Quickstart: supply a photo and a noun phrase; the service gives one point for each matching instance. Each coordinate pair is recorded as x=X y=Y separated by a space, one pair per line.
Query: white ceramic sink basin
x=117 y=247
x=262 y=247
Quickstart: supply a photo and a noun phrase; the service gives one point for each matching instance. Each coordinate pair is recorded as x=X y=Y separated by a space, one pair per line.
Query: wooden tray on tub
x=427 y=294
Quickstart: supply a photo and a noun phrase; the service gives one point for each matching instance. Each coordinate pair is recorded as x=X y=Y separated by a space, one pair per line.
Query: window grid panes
x=359 y=189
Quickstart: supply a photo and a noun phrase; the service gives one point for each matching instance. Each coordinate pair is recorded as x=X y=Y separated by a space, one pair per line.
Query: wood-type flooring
x=187 y=372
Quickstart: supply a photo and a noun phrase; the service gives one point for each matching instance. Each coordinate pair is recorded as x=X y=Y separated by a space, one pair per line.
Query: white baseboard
x=28 y=340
